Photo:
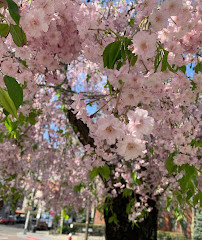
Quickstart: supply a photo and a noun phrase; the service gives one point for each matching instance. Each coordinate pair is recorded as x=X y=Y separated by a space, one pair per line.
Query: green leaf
x=78 y=188
x=8 y=124
x=193 y=85
x=32 y=118
x=18 y=35
x=88 y=78
x=21 y=119
x=190 y=171
x=13 y=10
x=136 y=180
x=127 y=43
x=179 y=198
x=4 y=29
x=24 y=63
x=183 y=184
x=7 y=103
x=196 y=199
x=134 y=176
x=170 y=166
x=128 y=208
x=60 y=131
x=195 y=181
x=164 y=61
x=172 y=68
x=104 y=171
x=5 y=112
x=1 y=137
x=14 y=90
x=114 y=53
x=127 y=192
x=109 y=86
x=119 y=65
x=106 y=55
x=67 y=134
x=111 y=54
x=123 y=54
x=134 y=60
x=169 y=201
x=183 y=69
x=131 y=22
x=113 y=218
x=197 y=97
x=93 y=173
x=179 y=217
x=189 y=195
x=198 y=143
x=157 y=61
x=35 y=147
x=198 y=67
x=120 y=82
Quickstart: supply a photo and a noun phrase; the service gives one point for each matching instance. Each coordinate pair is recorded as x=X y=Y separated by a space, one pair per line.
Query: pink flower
x=35 y=22
x=158 y=20
x=24 y=76
x=9 y=67
x=78 y=105
x=146 y=6
x=172 y=7
x=130 y=147
x=22 y=52
x=164 y=35
x=139 y=122
x=44 y=58
x=129 y=97
x=53 y=37
x=109 y=128
x=179 y=139
x=181 y=159
x=144 y=44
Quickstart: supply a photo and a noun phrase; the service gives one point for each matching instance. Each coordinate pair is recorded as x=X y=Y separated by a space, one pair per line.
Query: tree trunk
x=124 y=230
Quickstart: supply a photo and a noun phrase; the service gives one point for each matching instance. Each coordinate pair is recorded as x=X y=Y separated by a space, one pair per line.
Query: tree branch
x=81 y=128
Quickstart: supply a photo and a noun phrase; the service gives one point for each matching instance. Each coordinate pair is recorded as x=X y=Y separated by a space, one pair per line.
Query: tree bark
x=124 y=230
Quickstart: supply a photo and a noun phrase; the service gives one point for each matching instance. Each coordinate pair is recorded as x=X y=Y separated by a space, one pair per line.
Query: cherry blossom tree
x=103 y=99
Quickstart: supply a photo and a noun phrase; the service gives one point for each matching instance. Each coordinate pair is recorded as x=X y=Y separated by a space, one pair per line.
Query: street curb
x=32 y=238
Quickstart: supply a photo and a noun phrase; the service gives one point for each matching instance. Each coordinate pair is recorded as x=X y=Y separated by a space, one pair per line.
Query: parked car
x=10 y=220
x=2 y=220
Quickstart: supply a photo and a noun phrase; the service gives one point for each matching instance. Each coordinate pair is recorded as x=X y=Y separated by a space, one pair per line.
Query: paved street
x=46 y=236
x=15 y=232
x=10 y=232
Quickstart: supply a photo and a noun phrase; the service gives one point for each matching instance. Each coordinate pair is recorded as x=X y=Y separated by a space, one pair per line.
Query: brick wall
x=99 y=219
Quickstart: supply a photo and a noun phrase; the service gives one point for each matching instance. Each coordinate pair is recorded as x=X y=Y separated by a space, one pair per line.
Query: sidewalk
x=47 y=236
